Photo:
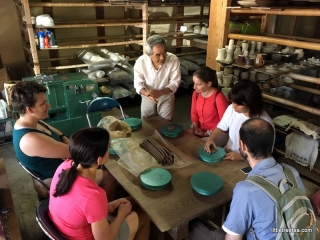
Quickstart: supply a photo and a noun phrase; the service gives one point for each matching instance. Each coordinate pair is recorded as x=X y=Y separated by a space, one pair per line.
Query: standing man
x=252 y=211
x=156 y=78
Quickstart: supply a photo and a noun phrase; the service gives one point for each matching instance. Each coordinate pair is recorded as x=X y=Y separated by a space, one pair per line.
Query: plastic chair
x=44 y=221
x=102 y=103
x=42 y=189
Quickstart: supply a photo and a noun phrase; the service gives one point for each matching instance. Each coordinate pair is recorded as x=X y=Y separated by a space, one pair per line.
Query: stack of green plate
x=112 y=152
x=171 y=130
x=155 y=178
x=206 y=183
x=134 y=123
x=213 y=156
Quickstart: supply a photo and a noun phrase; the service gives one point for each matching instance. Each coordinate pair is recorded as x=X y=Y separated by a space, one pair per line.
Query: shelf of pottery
x=273 y=67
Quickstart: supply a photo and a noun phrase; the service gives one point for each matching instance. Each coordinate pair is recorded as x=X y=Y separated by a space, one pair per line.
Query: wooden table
x=172 y=208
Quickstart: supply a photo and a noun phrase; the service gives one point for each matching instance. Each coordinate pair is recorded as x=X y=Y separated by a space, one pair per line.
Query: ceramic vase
x=259 y=47
x=231 y=43
x=253 y=48
x=236 y=73
x=227 y=79
x=221 y=54
x=245 y=46
x=229 y=58
x=236 y=52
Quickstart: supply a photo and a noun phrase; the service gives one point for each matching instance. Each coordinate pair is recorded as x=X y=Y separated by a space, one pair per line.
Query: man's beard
x=245 y=156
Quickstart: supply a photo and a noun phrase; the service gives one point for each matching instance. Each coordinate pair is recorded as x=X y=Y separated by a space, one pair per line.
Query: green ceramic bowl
x=206 y=183
x=211 y=157
x=134 y=123
x=155 y=178
x=171 y=130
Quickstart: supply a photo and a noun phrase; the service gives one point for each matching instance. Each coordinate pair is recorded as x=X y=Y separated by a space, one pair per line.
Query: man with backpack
x=273 y=209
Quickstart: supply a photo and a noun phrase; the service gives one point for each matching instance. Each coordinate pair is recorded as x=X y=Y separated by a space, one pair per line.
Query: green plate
x=171 y=130
x=134 y=123
x=211 y=157
x=206 y=183
x=155 y=178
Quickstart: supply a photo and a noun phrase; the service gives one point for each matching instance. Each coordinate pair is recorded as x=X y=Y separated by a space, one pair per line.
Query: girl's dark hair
x=248 y=94
x=86 y=146
x=24 y=94
x=206 y=74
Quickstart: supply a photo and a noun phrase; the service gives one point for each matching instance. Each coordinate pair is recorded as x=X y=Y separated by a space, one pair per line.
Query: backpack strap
x=289 y=175
x=215 y=98
x=265 y=185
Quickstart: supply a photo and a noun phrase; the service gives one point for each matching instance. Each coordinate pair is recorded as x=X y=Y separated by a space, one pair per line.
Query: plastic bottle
x=46 y=41
x=41 y=39
x=52 y=41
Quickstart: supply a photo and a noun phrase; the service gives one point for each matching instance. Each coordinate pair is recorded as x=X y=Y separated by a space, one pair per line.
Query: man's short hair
x=153 y=40
x=258 y=135
x=24 y=94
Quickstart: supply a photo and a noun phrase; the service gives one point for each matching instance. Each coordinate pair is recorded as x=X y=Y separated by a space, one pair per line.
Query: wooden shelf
x=84 y=4
x=282 y=11
x=280 y=41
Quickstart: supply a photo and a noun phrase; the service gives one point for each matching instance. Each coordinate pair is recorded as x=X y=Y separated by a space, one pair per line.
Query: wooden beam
x=218 y=30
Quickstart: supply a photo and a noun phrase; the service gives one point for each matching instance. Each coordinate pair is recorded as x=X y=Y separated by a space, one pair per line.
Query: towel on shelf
x=308 y=128
x=302 y=149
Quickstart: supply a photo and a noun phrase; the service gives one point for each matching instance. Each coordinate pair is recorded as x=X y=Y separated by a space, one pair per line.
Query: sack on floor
x=295 y=218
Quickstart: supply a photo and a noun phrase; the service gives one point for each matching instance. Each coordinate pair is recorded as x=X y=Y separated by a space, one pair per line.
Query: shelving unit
x=99 y=29
x=219 y=20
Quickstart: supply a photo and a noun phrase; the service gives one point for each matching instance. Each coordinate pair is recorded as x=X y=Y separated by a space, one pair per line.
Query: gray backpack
x=295 y=218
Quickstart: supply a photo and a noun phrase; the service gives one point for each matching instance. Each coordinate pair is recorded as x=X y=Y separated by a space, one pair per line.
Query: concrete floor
x=23 y=194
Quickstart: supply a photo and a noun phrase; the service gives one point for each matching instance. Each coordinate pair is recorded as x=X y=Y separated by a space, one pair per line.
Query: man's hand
x=201 y=133
x=150 y=96
x=233 y=156
x=208 y=145
x=156 y=93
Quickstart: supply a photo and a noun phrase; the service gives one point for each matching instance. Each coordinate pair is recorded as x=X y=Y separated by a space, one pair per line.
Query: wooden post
x=144 y=24
x=218 y=30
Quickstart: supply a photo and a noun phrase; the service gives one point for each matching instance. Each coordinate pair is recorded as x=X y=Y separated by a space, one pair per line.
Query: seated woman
x=247 y=102
x=39 y=146
x=208 y=105
x=86 y=207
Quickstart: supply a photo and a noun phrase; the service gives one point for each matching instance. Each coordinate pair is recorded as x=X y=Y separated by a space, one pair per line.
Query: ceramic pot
x=221 y=54
x=253 y=48
x=300 y=53
x=229 y=58
x=249 y=61
x=245 y=46
x=236 y=73
x=227 y=79
x=236 y=52
x=259 y=47
x=244 y=75
x=231 y=43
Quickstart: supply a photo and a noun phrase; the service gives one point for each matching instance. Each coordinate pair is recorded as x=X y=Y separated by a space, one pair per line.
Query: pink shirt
x=204 y=112
x=74 y=212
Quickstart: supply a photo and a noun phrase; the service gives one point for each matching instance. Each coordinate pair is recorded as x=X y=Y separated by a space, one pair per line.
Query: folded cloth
x=307 y=128
x=302 y=149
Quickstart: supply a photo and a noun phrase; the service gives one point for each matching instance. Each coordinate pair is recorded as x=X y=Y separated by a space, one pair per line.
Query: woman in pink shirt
x=208 y=105
x=79 y=208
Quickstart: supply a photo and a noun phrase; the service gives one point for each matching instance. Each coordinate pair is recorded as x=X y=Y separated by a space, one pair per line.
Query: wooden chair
x=44 y=221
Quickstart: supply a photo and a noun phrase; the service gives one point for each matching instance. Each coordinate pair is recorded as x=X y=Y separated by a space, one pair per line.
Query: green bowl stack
x=134 y=123
x=171 y=130
x=155 y=178
x=211 y=157
x=206 y=183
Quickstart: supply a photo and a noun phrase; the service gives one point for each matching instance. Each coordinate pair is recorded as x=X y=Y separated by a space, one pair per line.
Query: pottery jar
x=252 y=76
x=229 y=58
x=245 y=46
x=221 y=54
x=236 y=52
x=227 y=79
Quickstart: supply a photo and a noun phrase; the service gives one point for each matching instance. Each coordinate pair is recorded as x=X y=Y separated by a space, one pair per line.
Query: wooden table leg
x=179 y=232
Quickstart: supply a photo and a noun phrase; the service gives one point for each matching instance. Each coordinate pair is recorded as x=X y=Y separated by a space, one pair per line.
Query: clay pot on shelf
x=221 y=54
